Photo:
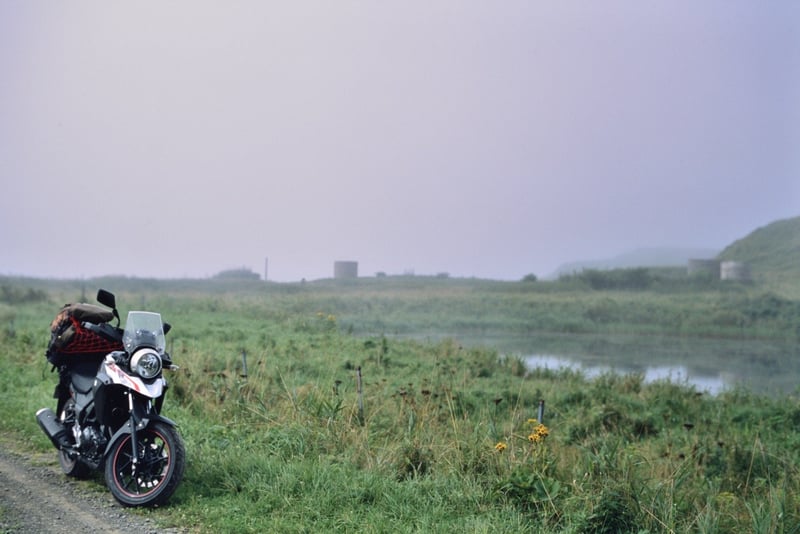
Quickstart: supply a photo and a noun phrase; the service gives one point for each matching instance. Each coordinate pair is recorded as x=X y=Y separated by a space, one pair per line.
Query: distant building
x=720 y=270
x=343 y=270
x=735 y=270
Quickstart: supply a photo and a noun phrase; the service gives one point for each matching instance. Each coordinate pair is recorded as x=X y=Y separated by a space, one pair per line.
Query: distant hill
x=644 y=257
x=771 y=251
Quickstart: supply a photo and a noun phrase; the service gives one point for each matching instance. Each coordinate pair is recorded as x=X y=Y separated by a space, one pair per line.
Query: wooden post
x=360 y=397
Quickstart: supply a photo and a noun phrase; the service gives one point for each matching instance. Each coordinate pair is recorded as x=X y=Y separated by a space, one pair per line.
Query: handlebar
x=104 y=330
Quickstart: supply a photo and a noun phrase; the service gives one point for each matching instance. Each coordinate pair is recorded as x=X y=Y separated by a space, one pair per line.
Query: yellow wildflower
x=500 y=447
x=538 y=434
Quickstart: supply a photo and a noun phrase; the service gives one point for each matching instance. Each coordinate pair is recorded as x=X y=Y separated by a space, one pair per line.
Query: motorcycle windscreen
x=144 y=329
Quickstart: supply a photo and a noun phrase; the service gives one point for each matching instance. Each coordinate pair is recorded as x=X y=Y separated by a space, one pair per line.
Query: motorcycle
x=109 y=414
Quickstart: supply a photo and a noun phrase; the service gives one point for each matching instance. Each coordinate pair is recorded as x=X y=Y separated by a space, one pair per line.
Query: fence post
x=360 y=397
x=540 y=417
x=244 y=364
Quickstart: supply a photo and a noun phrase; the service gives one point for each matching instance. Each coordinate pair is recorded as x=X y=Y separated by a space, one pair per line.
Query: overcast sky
x=487 y=139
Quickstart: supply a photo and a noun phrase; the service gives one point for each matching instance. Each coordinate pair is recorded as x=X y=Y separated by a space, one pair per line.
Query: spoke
x=127 y=481
x=126 y=465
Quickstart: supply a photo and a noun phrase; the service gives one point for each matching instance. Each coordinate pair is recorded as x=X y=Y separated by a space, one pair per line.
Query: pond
x=710 y=383
x=710 y=365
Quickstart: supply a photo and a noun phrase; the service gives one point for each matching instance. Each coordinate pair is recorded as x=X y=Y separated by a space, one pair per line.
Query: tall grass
x=635 y=301
x=449 y=440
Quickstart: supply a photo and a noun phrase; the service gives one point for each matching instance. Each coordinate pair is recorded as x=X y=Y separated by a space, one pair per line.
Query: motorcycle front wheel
x=157 y=471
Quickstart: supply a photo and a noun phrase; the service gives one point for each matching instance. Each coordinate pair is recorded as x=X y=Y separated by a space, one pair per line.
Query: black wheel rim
x=150 y=469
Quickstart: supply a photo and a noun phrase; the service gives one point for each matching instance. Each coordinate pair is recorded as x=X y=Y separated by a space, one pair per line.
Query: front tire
x=161 y=459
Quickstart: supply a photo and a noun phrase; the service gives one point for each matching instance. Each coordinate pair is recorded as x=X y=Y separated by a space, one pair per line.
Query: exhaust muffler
x=53 y=428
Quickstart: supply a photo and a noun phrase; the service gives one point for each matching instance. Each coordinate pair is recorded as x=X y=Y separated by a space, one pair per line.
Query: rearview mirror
x=106 y=298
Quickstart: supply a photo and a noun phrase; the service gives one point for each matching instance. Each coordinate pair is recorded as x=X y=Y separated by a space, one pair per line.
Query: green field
x=447 y=440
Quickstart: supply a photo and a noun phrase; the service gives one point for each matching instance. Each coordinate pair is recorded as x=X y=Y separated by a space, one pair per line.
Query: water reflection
x=679 y=374
x=711 y=365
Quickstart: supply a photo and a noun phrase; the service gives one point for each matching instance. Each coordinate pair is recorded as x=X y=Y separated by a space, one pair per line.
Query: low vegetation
x=302 y=410
x=774 y=249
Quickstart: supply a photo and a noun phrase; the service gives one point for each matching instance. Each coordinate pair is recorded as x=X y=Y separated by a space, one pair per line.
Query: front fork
x=141 y=414
x=142 y=422
x=134 y=442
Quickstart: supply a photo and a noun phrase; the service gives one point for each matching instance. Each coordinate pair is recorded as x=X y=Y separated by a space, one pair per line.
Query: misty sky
x=488 y=139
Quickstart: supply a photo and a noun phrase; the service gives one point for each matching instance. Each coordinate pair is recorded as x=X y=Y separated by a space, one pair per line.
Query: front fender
x=141 y=424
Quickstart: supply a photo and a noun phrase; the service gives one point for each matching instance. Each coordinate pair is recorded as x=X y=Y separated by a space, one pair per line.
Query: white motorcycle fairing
x=153 y=389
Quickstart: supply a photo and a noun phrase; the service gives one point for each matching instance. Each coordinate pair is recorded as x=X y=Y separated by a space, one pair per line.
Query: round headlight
x=146 y=363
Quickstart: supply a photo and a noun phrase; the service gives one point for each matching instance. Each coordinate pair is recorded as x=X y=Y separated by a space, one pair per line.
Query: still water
x=710 y=365
x=711 y=383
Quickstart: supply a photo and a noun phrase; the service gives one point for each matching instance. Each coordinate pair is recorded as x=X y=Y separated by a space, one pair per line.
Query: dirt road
x=36 y=497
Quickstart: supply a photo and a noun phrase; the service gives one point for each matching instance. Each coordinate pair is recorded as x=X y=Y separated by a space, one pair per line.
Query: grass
x=670 y=304
x=448 y=440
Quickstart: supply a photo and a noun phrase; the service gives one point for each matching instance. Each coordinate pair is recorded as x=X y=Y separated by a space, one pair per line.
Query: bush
x=632 y=279
x=242 y=273
x=20 y=295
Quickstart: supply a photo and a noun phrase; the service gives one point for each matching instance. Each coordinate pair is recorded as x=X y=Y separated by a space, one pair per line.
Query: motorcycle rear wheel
x=70 y=464
x=161 y=459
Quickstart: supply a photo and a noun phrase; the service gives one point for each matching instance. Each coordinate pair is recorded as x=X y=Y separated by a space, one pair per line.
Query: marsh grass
x=448 y=442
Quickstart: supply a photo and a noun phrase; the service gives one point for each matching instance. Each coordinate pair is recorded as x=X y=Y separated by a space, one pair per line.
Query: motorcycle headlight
x=146 y=363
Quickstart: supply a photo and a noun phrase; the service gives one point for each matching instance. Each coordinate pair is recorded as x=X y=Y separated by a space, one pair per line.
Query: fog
x=172 y=139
